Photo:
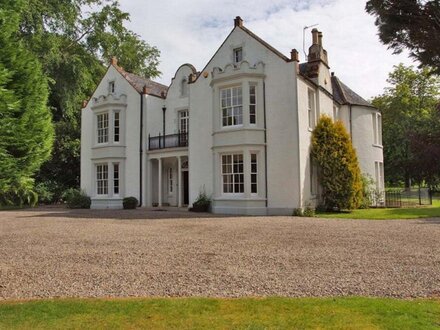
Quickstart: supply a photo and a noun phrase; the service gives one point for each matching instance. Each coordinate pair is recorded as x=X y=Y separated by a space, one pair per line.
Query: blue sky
x=190 y=31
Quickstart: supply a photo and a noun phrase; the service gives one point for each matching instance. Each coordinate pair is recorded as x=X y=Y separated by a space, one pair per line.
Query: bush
x=202 y=202
x=19 y=194
x=77 y=199
x=45 y=193
x=130 y=203
x=309 y=211
x=297 y=212
x=339 y=172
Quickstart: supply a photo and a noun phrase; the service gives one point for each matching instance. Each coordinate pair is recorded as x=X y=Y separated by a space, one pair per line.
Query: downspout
x=265 y=143
x=351 y=126
x=141 y=149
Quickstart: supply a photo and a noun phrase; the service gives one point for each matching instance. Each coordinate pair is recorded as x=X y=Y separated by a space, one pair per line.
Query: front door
x=185 y=188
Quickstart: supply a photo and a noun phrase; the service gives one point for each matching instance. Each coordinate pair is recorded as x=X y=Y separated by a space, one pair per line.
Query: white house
x=239 y=130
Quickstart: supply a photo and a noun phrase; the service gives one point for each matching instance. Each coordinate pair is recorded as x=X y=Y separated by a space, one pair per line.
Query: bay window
x=254 y=174
x=232 y=173
x=252 y=104
x=102 y=122
x=102 y=179
x=116 y=178
x=231 y=106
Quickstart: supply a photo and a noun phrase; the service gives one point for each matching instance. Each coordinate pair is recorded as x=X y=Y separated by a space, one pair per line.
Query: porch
x=169 y=179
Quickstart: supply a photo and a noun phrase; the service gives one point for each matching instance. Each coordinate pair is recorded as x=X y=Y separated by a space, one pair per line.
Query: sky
x=190 y=31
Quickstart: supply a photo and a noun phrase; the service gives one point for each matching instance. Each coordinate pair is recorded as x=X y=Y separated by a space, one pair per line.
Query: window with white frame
x=379 y=173
x=232 y=106
x=111 y=87
x=183 y=121
x=254 y=173
x=102 y=127
x=116 y=126
x=252 y=104
x=311 y=108
x=377 y=128
x=170 y=180
x=102 y=179
x=238 y=55
x=232 y=174
x=116 y=178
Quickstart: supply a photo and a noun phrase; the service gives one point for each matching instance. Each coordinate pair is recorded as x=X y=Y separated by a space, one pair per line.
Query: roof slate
x=138 y=83
x=345 y=95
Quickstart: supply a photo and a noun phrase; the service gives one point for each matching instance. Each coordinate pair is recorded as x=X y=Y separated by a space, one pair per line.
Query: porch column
x=159 y=187
x=179 y=181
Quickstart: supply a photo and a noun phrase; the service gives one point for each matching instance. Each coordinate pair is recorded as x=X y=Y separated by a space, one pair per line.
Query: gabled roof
x=345 y=95
x=138 y=83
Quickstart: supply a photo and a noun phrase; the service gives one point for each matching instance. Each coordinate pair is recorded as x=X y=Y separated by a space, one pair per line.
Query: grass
x=207 y=313
x=388 y=213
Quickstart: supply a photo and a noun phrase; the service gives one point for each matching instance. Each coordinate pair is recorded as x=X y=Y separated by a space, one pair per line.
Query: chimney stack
x=238 y=22
x=294 y=55
x=114 y=61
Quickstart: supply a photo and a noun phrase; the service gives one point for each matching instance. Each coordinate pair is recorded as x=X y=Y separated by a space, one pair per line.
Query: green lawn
x=388 y=213
x=205 y=313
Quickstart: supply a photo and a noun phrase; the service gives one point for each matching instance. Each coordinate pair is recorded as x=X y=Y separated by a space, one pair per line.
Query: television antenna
x=304 y=38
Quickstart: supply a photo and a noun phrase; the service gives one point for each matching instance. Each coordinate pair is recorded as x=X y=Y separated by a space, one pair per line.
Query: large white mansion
x=238 y=130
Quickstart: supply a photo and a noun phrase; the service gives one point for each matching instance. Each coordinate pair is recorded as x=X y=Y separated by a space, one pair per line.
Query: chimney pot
x=315 y=37
x=145 y=89
x=84 y=103
x=238 y=22
x=320 y=38
x=114 y=61
x=294 y=55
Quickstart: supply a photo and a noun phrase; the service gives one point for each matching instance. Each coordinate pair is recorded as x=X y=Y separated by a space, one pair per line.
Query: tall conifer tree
x=26 y=131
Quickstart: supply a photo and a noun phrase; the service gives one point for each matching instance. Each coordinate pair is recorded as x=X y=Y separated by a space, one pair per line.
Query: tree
x=411 y=24
x=339 y=173
x=74 y=41
x=26 y=131
x=409 y=110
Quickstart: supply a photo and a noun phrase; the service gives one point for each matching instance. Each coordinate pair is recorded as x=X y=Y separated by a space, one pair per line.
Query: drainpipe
x=265 y=142
x=164 y=109
x=351 y=126
x=141 y=149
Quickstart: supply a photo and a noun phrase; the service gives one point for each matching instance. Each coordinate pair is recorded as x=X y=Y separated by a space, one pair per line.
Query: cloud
x=190 y=31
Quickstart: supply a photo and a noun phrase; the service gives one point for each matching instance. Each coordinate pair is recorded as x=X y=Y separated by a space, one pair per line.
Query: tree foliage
x=339 y=173
x=411 y=24
x=26 y=131
x=410 y=125
x=73 y=41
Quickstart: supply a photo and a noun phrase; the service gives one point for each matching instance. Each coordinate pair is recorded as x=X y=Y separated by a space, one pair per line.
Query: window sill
x=310 y=129
x=378 y=146
x=106 y=145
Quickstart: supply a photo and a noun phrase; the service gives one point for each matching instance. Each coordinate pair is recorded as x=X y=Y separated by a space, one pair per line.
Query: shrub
x=77 y=199
x=309 y=211
x=19 y=194
x=130 y=203
x=297 y=212
x=202 y=202
x=339 y=173
x=367 y=191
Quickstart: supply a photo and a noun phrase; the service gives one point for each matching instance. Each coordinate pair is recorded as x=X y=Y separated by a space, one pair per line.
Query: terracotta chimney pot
x=315 y=38
x=114 y=61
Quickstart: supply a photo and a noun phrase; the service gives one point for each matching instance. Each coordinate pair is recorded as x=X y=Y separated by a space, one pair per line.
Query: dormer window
x=238 y=55
x=111 y=87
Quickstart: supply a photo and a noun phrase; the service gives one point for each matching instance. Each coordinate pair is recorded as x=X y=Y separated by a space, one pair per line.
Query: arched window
x=184 y=87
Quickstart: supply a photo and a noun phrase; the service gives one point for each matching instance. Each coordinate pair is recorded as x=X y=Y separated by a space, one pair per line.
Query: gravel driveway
x=58 y=252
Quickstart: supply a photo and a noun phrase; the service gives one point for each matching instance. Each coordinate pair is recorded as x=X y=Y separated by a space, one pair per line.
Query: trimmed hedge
x=77 y=199
x=130 y=203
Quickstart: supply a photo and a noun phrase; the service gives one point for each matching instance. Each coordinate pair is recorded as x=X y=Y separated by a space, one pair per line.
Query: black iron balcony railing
x=168 y=141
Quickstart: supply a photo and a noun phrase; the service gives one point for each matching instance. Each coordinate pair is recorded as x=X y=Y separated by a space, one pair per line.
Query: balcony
x=168 y=141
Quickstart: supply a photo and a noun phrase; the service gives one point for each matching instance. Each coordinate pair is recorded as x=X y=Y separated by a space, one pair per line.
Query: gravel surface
x=59 y=253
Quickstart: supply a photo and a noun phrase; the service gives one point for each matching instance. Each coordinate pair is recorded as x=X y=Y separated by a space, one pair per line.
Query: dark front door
x=185 y=188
